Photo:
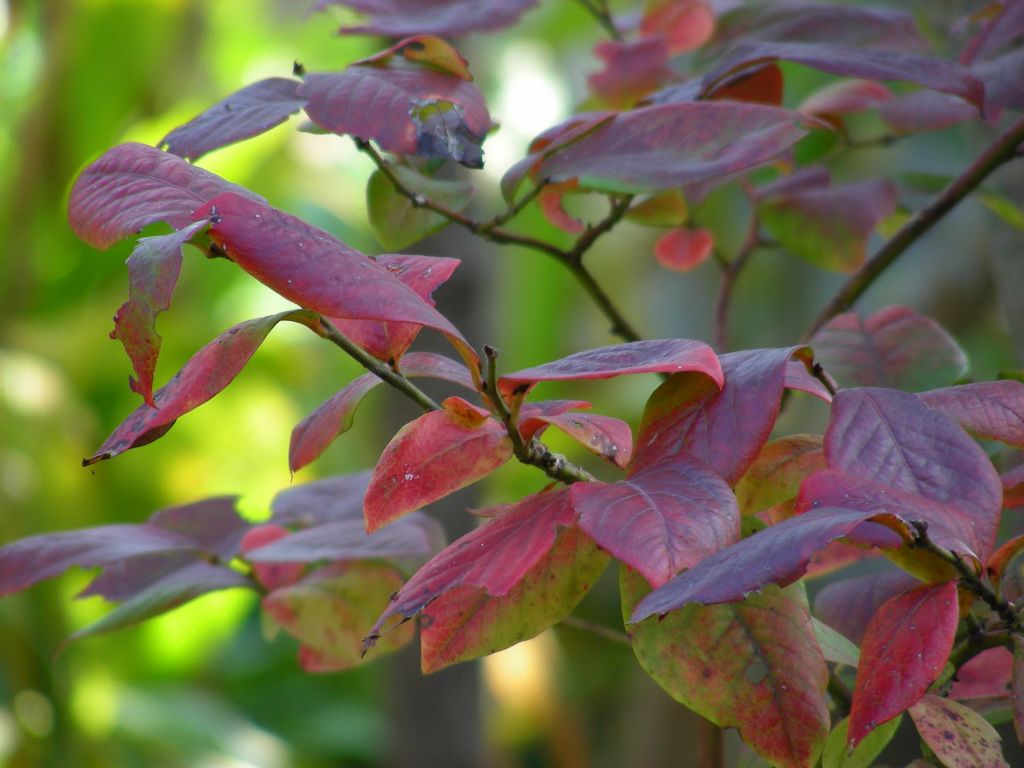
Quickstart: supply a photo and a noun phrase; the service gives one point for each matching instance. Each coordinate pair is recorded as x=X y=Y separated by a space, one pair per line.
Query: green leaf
x=1004 y=208
x=836 y=754
x=835 y=646
x=396 y=221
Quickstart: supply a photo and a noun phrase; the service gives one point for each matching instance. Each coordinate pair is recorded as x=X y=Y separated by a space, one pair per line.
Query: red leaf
x=134 y=185
x=760 y=86
x=466 y=623
x=991 y=410
x=890 y=438
x=605 y=436
x=631 y=70
x=957 y=734
x=1013 y=487
x=684 y=249
x=653 y=356
x=905 y=647
x=208 y=371
x=848 y=605
x=308 y=266
x=800 y=379
x=670 y=145
x=550 y=202
x=427 y=49
x=535 y=417
x=452 y=18
x=934 y=73
x=754 y=665
x=986 y=676
x=276 y=575
x=665 y=518
x=389 y=341
x=844 y=97
x=726 y=429
x=895 y=347
x=686 y=24
x=153 y=270
x=249 y=112
x=494 y=557
x=1000 y=560
x=434 y=456
x=777 y=555
x=334 y=417
x=407 y=107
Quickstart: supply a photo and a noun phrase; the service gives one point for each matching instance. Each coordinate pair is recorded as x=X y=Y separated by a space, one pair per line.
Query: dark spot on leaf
x=755 y=673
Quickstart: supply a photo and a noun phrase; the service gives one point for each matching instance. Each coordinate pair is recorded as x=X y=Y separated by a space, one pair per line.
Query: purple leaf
x=891 y=438
x=153 y=270
x=727 y=429
x=895 y=347
x=329 y=500
x=924 y=111
x=605 y=436
x=249 y=112
x=654 y=356
x=848 y=61
x=662 y=519
x=414 y=535
x=134 y=185
x=210 y=370
x=1004 y=78
x=777 y=555
x=848 y=605
x=991 y=410
x=669 y=145
x=449 y=18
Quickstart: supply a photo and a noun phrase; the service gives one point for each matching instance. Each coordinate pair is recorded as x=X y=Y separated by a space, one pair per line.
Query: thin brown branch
x=841 y=696
x=969 y=648
x=1002 y=150
x=599 y=10
x=730 y=272
x=492 y=230
x=599 y=630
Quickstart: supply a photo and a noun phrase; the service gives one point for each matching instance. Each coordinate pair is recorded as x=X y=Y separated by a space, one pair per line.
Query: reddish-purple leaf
x=957 y=734
x=331 y=610
x=1017 y=686
x=210 y=370
x=895 y=347
x=308 y=266
x=605 y=436
x=829 y=227
x=153 y=270
x=891 y=438
x=1002 y=563
x=848 y=605
x=992 y=410
x=653 y=356
x=905 y=647
x=334 y=416
x=684 y=24
x=665 y=518
x=450 y=18
x=670 y=145
x=843 y=98
x=872 y=64
x=754 y=665
x=725 y=429
x=273 y=575
x=329 y=500
x=36 y=558
x=999 y=30
x=535 y=417
x=407 y=107
x=434 y=456
x=213 y=524
x=466 y=622
x=631 y=70
x=923 y=111
x=389 y=340
x=249 y=112
x=986 y=676
x=799 y=21
x=134 y=185
x=1013 y=487
x=800 y=379
x=1004 y=79
x=778 y=554
x=550 y=201
x=494 y=557
x=684 y=249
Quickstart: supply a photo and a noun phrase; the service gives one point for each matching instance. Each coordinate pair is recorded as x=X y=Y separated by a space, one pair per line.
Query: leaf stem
x=1002 y=150
x=599 y=10
x=966 y=650
x=599 y=630
x=493 y=231
x=840 y=694
x=730 y=272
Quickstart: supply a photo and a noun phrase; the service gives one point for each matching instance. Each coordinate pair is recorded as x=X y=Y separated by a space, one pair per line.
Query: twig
x=968 y=649
x=534 y=453
x=599 y=10
x=818 y=371
x=731 y=271
x=574 y=622
x=571 y=258
x=1002 y=150
x=968 y=577
x=840 y=694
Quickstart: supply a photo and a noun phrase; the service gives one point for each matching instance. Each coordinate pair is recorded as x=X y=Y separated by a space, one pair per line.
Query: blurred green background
x=201 y=687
